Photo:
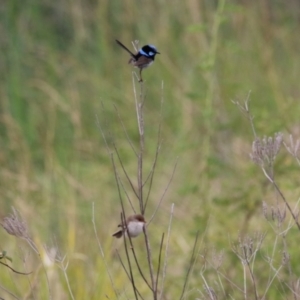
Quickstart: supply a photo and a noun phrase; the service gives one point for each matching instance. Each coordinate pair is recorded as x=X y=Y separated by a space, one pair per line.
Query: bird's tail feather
x=125 y=48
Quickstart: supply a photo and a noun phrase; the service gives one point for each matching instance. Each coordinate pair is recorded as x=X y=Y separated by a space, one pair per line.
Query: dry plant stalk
x=264 y=152
x=142 y=192
x=16 y=226
x=246 y=250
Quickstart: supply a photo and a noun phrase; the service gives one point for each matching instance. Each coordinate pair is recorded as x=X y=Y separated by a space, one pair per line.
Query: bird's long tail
x=125 y=48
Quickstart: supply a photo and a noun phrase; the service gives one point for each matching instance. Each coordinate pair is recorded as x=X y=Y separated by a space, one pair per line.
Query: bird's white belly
x=135 y=228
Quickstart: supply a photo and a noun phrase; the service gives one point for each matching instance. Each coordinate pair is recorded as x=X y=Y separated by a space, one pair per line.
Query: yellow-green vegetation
x=64 y=81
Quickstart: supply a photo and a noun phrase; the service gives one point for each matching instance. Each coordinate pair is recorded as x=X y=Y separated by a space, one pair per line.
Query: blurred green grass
x=61 y=67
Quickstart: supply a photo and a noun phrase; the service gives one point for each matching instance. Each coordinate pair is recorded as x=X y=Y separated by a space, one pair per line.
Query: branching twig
x=125 y=172
x=120 y=160
x=64 y=268
x=246 y=111
x=246 y=251
x=164 y=193
x=127 y=196
x=222 y=275
x=125 y=131
x=15 y=271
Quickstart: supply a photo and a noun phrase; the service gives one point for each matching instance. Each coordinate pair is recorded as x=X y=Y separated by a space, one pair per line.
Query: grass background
x=60 y=68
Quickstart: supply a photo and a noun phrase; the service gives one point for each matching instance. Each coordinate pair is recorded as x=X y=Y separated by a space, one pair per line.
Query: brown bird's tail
x=118 y=234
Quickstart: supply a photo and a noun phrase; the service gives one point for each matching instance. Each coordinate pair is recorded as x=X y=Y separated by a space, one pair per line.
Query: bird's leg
x=141 y=79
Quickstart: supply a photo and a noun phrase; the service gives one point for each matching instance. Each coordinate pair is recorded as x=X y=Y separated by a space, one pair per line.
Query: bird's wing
x=141 y=62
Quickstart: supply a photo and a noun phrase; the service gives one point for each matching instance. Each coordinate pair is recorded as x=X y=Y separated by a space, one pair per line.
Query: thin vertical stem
x=149 y=258
x=140 y=120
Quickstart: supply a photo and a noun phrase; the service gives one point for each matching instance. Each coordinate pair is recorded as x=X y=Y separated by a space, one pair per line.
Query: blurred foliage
x=62 y=73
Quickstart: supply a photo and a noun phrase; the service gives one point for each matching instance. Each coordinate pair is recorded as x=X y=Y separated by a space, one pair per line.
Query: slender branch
x=15 y=271
x=151 y=175
x=8 y=292
x=223 y=275
x=64 y=268
x=159 y=260
x=125 y=172
x=16 y=226
x=292 y=289
x=158 y=146
x=149 y=258
x=140 y=121
x=208 y=289
x=127 y=196
x=275 y=276
x=123 y=221
x=119 y=158
x=135 y=45
x=166 y=253
x=245 y=281
x=190 y=266
x=137 y=263
x=121 y=163
x=282 y=197
x=102 y=252
x=293 y=149
x=140 y=183
x=164 y=193
x=102 y=133
x=246 y=111
x=124 y=268
x=125 y=131
x=250 y=117
x=251 y=272
x=140 y=118
x=118 y=185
